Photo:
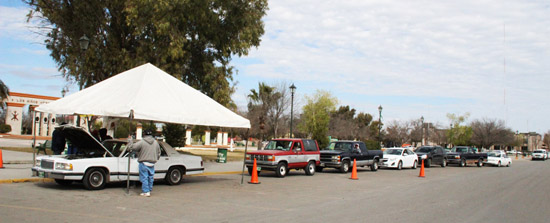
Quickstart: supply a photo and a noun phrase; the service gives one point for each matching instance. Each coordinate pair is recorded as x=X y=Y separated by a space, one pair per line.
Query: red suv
x=281 y=155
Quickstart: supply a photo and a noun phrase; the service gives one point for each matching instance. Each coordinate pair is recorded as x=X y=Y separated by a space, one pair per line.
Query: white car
x=399 y=158
x=498 y=158
x=539 y=154
x=96 y=164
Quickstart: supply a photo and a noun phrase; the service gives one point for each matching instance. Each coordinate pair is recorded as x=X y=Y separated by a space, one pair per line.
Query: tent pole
x=129 y=132
x=244 y=156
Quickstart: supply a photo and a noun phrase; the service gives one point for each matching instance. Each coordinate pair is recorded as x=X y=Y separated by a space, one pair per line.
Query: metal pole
x=129 y=131
x=244 y=156
x=291 y=112
x=34 y=138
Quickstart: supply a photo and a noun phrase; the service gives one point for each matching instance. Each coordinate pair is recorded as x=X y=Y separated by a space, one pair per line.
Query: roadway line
x=48 y=180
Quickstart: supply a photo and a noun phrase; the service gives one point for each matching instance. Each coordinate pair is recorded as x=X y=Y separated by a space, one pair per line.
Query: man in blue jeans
x=148 y=151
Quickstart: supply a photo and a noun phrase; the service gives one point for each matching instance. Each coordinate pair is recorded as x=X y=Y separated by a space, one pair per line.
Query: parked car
x=281 y=155
x=464 y=155
x=340 y=155
x=539 y=154
x=432 y=155
x=399 y=158
x=498 y=158
x=96 y=164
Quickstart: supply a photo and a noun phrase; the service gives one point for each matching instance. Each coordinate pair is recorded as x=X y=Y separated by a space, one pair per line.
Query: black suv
x=432 y=155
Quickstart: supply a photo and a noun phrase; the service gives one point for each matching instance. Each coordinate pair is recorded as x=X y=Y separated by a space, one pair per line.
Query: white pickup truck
x=96 y=164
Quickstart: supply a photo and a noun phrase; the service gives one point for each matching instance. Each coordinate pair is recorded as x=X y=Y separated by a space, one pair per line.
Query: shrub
x=5 y=128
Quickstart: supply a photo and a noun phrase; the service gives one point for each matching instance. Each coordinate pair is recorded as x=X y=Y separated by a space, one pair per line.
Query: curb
x=25 y=180
x=48 y=180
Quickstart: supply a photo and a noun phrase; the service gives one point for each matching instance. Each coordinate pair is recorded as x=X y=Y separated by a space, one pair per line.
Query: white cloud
x=420 y=49
x=14 y=25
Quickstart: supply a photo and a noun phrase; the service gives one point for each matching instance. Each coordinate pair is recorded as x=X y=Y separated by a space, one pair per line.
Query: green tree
x=4 y=93
x=315 y=118
x=192 y=40
x=175 y=134
x=459 y=134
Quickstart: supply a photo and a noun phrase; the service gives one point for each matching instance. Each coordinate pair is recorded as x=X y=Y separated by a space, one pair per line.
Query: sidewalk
x=17 y=168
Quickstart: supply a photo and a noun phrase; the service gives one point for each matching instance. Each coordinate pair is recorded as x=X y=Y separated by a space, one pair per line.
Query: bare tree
x=489 y=132
x=398 y=133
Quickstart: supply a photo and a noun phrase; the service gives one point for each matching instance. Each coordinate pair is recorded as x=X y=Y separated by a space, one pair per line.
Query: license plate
x=258 y=168
x=43 y=174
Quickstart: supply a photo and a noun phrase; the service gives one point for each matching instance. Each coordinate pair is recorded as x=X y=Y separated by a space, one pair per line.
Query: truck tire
x=462 y=162
x=94 y=179
x=444 y=163
x=374 y=166
x=345 y=167
x=281 y=170
x=310 y=168
x=428 y=163
x=479 y=162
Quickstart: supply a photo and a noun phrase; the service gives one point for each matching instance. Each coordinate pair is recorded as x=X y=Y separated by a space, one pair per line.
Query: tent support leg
x=244 y=156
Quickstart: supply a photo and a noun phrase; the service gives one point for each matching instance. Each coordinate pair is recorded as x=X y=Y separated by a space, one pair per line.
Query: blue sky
x=415 y=58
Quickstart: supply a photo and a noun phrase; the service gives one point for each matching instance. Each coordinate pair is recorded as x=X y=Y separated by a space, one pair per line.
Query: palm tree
x=4 y=93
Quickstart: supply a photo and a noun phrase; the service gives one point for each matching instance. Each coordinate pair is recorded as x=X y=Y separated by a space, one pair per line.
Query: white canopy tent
x=151 y=94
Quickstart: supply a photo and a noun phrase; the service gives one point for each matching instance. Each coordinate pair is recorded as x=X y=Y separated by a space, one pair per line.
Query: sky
x=488 y=58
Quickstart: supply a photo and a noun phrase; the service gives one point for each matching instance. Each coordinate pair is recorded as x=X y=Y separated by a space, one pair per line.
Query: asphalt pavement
x=451 y=194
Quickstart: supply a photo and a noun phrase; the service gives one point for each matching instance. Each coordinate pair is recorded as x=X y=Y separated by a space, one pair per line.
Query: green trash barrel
x=222 y=155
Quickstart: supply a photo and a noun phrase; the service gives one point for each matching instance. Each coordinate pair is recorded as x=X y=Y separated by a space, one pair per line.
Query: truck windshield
x=342 y=146
x=424 y=150
x=459 y=150
x=278 y=145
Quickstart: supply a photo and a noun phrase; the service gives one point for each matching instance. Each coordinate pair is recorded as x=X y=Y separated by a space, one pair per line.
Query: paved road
x=451 y=194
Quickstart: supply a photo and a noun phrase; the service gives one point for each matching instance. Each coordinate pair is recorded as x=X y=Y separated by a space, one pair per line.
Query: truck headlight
x=270 y=158
x=63 y=166
x=336 y=157
x=248 y=156
x=457 y=157
x=423 y=157
x=37 y=163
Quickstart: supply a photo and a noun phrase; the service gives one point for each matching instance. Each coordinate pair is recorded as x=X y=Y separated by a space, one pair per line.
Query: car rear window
x=310 y=145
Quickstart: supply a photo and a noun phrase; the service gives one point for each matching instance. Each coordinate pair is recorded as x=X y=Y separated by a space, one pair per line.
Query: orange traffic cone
x=254 y=179
x=422 y=170
x=354 y=171
x=1 y=160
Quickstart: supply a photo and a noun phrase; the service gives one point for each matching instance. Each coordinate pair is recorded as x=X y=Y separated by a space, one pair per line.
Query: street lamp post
x=380 y=124
x=292 y=90
x=422 y=120
x=84 y=42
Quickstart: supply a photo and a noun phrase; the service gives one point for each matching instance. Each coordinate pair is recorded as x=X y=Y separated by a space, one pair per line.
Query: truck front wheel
x=345 y=167
x=281 y=170
x=462 y=163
